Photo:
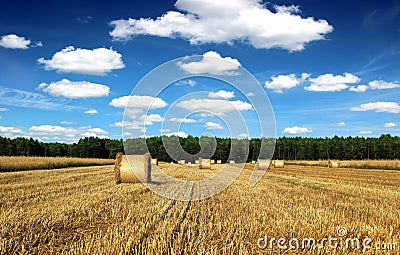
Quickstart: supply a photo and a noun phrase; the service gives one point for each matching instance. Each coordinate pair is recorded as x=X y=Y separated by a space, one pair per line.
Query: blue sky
x=328 y=67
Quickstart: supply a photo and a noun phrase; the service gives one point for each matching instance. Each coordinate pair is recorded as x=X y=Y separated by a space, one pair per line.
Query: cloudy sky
x=67 y=70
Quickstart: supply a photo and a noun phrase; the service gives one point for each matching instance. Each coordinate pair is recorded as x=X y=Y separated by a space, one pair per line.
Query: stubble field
x=82 y=211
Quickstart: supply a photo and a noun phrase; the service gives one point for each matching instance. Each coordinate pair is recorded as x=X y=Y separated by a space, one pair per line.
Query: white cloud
x=390 y=107
x=183 y=120
x=364 y=132
x=50 y=132
x=151 y=118
x=359 y=88
x=212 y=63
x=3 y=109
x=75 y=90
x=331 y=83
x=243 y=135
x=222 y=94
x=191 y=83
x=138 y=102
x=341 y=124
x=166 y=130
x=84 y=61
x=13 y=41
x=296 y=130
x=209 y=21
x=383 y=85
x=281 y=82
x=9 y=131
x=213 y=125
x=65 y=122
x=390 y=125
x=91 y=112
x=22 y=98
x=134 y=125
x=178 y=133
x=250 y=94
x=214 y=105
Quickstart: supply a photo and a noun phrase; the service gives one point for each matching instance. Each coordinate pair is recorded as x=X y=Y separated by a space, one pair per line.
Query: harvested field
x=10 y=164
x=82 y=211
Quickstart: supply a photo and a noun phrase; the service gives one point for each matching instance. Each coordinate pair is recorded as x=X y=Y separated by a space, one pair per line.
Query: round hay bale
x=253 y=161
x=219 y=161
x=197 y=161
x=212 y=161
x=263 y=164
x=182 y=162
x=232 y=162
x=154 y=161
x=279 y=164
x=334 y=163
x=124 y=171
x=204 y=163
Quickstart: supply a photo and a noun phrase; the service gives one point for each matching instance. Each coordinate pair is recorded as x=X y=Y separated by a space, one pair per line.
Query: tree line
x=288 y=148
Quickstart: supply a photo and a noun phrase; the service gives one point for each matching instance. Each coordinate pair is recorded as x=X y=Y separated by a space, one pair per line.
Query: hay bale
x=124 y=169
x=189 y=163
x=232 y=162
x=181 y=162
x=219 y=161
x=197 y=161
x=253 y=161
x=263 y=164
x=279 y=164
x=204 y=163
x=212 y=161
x=154 y=161
x=334 y=163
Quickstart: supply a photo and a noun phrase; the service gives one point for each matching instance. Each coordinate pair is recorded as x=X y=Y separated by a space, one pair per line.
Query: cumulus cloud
x=214 y=105
x=212 y=63
x=9 y=131
x=222 y=94
x=142 y=102
x=13 y=41
x=390 y=107
x=208 y=21
x=84 y=61
x=213 y=125
x=151 y=118
x=3 y=109
x=379 y=84
x=390 y=125
x=91 y=112
x=65 y=122
x=341 y=124
x=75 y=89
x=364 y=132
x=250 y=94
x=178 y=133
x=359 y=88
x=183 y=120
x=281 y=82
x=50 y=132
x=191 y=83
x=296 y=130
x=331 y=83
x=134 y=125
x=243 y=135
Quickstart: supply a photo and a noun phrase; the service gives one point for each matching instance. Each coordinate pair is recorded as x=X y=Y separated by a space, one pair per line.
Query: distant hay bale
x=212 y=161
x=253 y=162
x=263 y=164
x=154 y=161
x=172 y=162
x=232 y=162
x=219 y=161
x=279 y=164
x=204 y=163
x=124 y=169
x=189 y=163
x=334 y=164
x=197 y=161
x=181 y=162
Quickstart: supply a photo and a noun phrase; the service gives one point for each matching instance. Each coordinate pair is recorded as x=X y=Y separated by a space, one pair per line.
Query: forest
x=288 y=148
